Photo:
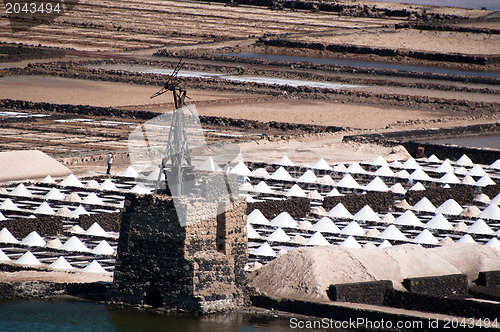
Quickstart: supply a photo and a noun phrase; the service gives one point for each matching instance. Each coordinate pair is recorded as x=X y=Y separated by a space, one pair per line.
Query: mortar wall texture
x=197 y=268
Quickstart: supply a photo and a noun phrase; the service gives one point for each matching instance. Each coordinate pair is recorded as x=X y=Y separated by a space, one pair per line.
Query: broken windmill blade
x=177 y=157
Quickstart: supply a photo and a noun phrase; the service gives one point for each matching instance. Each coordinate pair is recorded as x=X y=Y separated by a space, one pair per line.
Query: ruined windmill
x=177 y=159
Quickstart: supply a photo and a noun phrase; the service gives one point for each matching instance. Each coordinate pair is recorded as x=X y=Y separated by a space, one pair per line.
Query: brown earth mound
x=306 y=273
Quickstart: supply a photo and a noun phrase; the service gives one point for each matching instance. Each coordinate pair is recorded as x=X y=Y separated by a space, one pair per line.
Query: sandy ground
x=319 y=112
x=416 y=40
x=61 y=90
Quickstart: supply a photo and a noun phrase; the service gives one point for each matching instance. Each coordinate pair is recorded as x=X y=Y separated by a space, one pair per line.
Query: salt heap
x=74 y=244
x=92 y=184
x=424 y=205
x=96 y=230
x=471 y=211
x=21 y=191
x=49 y=179
x=417 y=187
x=321 y=164
x=263 y=188
x=419 y=175
x=260 y=173
x=479 y=227
x=355 y=168
x=54 y=244
x=495 y=200
x=320 y=267
x=464 y=161
x=484 y=181
x=28 y=259
x=71 y=181
x=433 y=159
x=314 y=195
x=425 y=237
x=44 y=208
x=450 y=207
x=108 y=185
x=449 y=178
x=140 y=189
x=78 y=211
x=153 y=176
x=316 y=240
x=73 y=197
x=350 y=242
x=283 y=220
x=326 y=179
x=209 y=165
x=379 y=161
x=482 y=198
x=54 y=194
x=402 y=174
x=282 y=175
x=410 y=163
x=325 y=225
x=7 y=237
x=339 y=168
x=103 y=248
x=3 y=256
x=353 y=228
x=466 y=239
x=445 y=167
x=241 y=169
x=278 y=235
x=438 y=222
x=493 y=243
x=61 y=264
x=366 y=214
x=2 y=217
x=384 y=244
x=285 y=161
x=245 y=186
x=334 y=193
x=339 y=211
x=130 y=172
x=94 y=267
x=264 y=250
x=348 y=182
x=33 y=239
x=398 y=189
x=384 y=171
x=295 y=191
x=92 y=198
x=477 y=170
x=468 y=180
x=377 y=185
x=495 y=165
x=251 y=233
x=308 y=177
x=392 y=233
x=388 y=218
x=408 y=218
x=256 y=217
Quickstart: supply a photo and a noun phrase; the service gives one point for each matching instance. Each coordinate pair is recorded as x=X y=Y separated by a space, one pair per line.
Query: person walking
x=110 y=162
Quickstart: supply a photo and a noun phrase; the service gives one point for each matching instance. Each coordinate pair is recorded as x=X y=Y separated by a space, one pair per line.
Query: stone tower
x=195 y=265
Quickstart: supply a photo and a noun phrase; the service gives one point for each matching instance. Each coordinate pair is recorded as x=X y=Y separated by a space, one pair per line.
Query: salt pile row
x=29 y=259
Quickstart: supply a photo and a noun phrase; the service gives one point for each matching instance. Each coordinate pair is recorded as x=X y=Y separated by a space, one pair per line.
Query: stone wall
x=196 y=268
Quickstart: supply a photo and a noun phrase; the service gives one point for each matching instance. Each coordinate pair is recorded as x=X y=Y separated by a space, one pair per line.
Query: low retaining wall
x=490 y=279
x=94 y=291
x=370 y=292
x=448 y=285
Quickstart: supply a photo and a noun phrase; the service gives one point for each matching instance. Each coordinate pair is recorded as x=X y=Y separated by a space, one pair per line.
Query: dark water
x=364 y=64
x=476 y=4
x=492 y=142
x=68 y=316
